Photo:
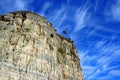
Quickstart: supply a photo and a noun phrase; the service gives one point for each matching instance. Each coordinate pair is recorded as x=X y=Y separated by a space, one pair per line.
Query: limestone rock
x=30 y=49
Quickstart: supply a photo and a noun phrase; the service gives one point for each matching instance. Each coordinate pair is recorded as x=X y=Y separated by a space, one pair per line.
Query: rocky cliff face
x=30 y=49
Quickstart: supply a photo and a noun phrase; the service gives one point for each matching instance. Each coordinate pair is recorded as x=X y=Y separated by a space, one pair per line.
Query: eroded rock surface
x=30 y=49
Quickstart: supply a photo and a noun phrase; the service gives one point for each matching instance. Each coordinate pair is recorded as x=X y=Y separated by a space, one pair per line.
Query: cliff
x=30 y=49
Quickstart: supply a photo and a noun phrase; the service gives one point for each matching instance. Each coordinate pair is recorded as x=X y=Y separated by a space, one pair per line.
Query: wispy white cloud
x=100 y=44
x=103 y=60
x=115 y=72
x=93 y=75
x=88 y=70
x=81 y=18
x=14 y=5
x=58 y=16
x=20 y=5
x=115 y=10
x=45 y=7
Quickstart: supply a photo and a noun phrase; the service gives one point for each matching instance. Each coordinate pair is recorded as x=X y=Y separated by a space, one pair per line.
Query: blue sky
x=93 y=25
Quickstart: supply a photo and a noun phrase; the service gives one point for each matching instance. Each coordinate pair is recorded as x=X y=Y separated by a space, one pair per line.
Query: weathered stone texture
x=30 y=49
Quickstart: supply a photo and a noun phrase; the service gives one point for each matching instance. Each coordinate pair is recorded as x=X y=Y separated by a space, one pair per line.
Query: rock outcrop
x=30 y=49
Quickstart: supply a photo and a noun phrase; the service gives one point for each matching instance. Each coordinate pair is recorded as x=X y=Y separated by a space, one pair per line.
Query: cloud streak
x=82 y=16
x=20 y=5
x=46 y=6
x=112 y=12
x=115 y=10
x=14 y=5
x=58 y=16
x=81 y=19
x=115 y=72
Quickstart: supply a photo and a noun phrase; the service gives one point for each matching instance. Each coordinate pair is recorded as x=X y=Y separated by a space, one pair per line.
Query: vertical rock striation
x=30 y=49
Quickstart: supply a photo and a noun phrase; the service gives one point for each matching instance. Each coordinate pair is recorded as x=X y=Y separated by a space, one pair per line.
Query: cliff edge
x=30 y=49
